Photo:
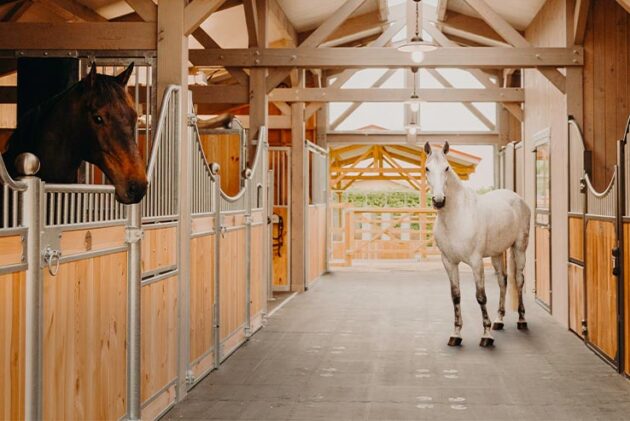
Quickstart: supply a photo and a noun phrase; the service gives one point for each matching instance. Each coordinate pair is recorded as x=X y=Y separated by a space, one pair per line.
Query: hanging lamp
x=416 y=46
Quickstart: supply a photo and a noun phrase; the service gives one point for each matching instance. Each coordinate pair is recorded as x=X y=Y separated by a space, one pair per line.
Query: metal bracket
x=192 y=119
x=190 y=377
x=249 y=220
x=51 y=258
x=133 y=235
x=223 y=231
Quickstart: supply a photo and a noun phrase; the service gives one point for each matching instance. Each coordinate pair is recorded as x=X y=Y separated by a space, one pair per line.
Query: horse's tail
x=511 y=274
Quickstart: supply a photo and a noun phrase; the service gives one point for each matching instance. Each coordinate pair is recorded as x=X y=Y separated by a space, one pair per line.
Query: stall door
x=280 y=164
x=543 y=224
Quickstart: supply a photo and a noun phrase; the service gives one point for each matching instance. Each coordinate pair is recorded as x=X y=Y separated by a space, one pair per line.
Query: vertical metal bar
x=134 y=285
x=31 y=210
x=620 y=211
x=248 y=255
x=5 y=206
x=217 y=271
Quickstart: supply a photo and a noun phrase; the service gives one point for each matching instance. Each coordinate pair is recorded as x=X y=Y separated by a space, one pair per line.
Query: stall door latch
x=615 y=261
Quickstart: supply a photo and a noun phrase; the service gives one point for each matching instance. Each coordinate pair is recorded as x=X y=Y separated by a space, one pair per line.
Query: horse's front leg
x=452 y=270
x=477 y=267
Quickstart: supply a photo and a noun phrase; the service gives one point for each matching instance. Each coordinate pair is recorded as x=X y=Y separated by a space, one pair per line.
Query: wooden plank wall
x=159 y=248
x=316 y=241
x=12 y=310
x=85 y=339
x=545 y=108
x=201 y=296
x=159 y=336
x=626 y=274
x=602 y=286
x=258 y=285
x=576 y=238
x=225 y=149
x=576 y=298
x=232 y=282
x=606 y=84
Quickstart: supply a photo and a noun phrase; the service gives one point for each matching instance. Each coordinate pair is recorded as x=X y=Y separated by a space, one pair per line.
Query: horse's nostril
x=136 y=190
x=439 y=203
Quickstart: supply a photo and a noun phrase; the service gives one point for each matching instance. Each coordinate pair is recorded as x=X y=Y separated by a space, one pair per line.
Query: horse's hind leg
x=477 y=267
x=497 y=263
x=452 y=270
x=519 y=262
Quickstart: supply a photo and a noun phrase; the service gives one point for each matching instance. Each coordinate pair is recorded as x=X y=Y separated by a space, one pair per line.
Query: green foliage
x=382 y=199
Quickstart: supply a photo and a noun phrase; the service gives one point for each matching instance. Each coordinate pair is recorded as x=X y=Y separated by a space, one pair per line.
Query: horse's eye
x=97 y=119
x=446 y=169
x=427 y=169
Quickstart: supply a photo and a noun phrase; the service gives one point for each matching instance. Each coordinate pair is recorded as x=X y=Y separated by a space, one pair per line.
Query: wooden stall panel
x=81 y=241
x=281 y=251
x=626 y=275
x=12 y=319
x=317 y=241
x=543 y=269
x=159 y=249
x=85 y=339
x=11 y=250
x=576 y=297
x=201 y=295
x=203 y=224
x=159 y=336
x=232 y=282
x=225 y=149
x=258 y=287
x=601 y=287
x=576 y=238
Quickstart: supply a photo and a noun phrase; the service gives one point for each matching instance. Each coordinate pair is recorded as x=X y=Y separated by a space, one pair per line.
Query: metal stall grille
x=280 y=165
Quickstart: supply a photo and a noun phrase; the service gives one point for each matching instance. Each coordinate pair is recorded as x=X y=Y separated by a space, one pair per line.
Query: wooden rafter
x=146 y=9
x=17 y=11
x=440 y=9
x=467 y=104
x=482 y=77
x=197 y=12
x=511 y=35
x=317 y=37
x=625 y=4
x=353 y=107
x=208 y=42
x=75 y=9
x=282 y=23
x=251 y=22
x=580 y=19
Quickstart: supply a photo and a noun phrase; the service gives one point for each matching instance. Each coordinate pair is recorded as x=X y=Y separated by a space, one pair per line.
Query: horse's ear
x=90 y=79
x=445 y=148
x=427 y=148
x=123 y=77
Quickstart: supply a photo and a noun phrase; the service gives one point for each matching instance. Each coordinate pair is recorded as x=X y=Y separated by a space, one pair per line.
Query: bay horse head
x=94 y=120
x=108 y=118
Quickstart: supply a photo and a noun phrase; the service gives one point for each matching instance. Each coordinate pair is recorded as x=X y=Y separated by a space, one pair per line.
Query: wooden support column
x=172 y=68
x=258 y=98
x=299 y=190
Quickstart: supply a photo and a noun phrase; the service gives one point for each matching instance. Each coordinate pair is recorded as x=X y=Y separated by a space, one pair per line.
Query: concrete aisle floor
x=373 y=346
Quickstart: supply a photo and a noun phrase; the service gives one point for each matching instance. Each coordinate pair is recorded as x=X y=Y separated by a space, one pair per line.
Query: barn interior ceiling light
x=414 y=99
x=416 y=45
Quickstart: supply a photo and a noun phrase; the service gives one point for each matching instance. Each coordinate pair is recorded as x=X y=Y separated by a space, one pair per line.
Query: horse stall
x=76 y=298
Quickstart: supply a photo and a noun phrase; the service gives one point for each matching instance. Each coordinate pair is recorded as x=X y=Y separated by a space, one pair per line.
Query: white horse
x=470 y=227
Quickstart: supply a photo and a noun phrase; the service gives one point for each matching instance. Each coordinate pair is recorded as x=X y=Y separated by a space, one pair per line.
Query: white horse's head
x=437 y=172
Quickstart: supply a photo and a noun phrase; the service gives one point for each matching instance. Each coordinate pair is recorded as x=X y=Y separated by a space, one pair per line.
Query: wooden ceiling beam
x=78 y=36
x=208 y=42
x=511 y=35
x=367 y=57
x=278 y=18
x=146 y=9
x=17 y=11
x=580 y=19
x=74 y=8
x=400 y=138
x=442 y=6
x=197 y=11
x=625 y=4
x=317 y=37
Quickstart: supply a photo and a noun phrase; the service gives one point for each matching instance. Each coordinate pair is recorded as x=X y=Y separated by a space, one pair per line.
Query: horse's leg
x=519 y=261
x=452 y=270
x=477 y=267
x=497 y=263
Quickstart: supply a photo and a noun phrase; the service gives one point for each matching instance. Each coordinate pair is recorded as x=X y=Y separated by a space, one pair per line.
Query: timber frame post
x=299 y=188
x=172 y=68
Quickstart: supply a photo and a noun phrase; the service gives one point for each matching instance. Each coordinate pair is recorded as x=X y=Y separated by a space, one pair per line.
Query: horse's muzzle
x=438 y=204
x=135 y=191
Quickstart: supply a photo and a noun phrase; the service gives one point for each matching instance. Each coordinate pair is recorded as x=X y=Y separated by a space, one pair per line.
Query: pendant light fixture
x=414 y=99
x=416 y=45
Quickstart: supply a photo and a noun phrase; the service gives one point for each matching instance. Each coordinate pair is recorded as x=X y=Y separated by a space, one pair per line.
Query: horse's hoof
x=454 y=341
x=486 y=342
x=521 y=325
x=497 y=326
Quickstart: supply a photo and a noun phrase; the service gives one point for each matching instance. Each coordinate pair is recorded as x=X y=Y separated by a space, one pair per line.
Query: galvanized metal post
x=32 y=216
x=307 y=230
x=248 y=253
x=269 y=232
x=134 y=285
x=217 y=261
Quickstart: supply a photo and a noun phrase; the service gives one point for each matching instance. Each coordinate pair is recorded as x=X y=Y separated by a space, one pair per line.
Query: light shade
x=417 y=47
x=414 y=103
x=412 y=128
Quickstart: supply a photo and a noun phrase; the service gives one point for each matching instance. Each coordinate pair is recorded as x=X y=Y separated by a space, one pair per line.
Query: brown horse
x=94 y=120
